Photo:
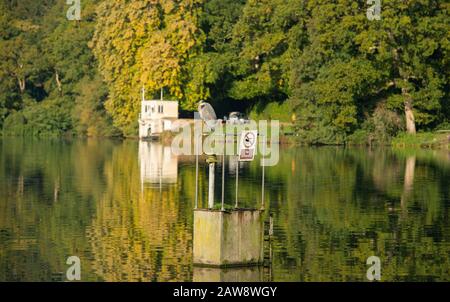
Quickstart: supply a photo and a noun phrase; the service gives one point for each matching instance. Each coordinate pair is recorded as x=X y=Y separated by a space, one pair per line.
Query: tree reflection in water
x=332 y=209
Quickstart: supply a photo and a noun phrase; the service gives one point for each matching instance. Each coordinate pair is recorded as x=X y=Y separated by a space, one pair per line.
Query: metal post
x=142 y=185
x=237 y=181
x=160 y=164
x=263 y=165
x=211 y=186
x=270 y=226
x=196 y=174
x=223 y=178
x=270 y=245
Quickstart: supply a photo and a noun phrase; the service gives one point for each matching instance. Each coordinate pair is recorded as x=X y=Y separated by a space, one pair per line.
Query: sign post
x=247 y=145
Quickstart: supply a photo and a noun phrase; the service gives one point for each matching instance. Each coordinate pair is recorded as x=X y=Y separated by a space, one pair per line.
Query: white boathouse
x=156 y=116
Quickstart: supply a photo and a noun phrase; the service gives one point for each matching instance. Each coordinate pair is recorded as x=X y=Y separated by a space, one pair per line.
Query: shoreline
x=422 y=140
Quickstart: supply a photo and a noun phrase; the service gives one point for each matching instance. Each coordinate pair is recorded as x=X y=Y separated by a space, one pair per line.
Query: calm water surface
x=125 y=208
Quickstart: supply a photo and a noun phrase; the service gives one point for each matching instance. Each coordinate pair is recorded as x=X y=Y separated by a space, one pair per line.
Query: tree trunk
x=21 y=85
x=58 y=82
x=409 y=114
x=408 y=182
x=56 y=190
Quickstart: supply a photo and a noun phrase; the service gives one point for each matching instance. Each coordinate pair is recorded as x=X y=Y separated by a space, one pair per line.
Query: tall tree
x=411 y=42
x=145 y=44
x=350 y=62
x=268 y=35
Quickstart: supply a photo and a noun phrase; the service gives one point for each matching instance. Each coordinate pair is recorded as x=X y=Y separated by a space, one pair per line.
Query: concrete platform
x=228 y=238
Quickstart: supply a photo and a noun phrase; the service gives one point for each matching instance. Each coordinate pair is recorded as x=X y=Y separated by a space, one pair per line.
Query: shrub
x=272 y=111
x=49 y=118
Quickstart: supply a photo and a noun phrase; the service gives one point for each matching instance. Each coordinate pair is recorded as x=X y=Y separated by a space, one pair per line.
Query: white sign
x=247 y=145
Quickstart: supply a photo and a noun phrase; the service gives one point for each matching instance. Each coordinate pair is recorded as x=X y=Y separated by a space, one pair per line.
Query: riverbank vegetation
x=320 y=65
x=424 y=140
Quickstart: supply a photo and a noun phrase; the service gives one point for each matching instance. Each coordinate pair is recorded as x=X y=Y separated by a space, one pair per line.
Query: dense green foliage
x=47 y=71
x=320 y=63
x=351 y=68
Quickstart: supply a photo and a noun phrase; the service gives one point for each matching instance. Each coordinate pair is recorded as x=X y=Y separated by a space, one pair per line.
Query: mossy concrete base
x=233 y=274
x=228 y=238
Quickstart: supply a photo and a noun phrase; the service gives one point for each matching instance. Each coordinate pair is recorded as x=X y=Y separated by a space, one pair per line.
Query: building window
x=160 y=109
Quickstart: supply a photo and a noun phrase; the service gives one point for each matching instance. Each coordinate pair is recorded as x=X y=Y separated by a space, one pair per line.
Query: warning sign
x=247 y=145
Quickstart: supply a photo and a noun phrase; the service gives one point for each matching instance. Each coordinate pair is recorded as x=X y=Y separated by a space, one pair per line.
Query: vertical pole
x=196 y=174
x=142 y=184
x=270 y=226
x=263 y=165
x=237 y=180
x=223 y=178
x=270 y=245
x=211 y=186
x=160 y=165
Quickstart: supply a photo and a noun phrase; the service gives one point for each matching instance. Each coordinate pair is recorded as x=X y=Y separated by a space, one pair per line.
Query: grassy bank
x=440 y=139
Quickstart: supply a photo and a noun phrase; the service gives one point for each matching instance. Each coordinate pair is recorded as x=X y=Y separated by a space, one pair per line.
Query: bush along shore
x=439 y=139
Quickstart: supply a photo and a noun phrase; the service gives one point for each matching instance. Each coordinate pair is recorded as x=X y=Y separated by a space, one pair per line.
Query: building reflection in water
x=232 y=274
x=158 y=165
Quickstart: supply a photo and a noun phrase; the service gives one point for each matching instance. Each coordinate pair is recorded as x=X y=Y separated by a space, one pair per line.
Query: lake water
x=125 y=208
